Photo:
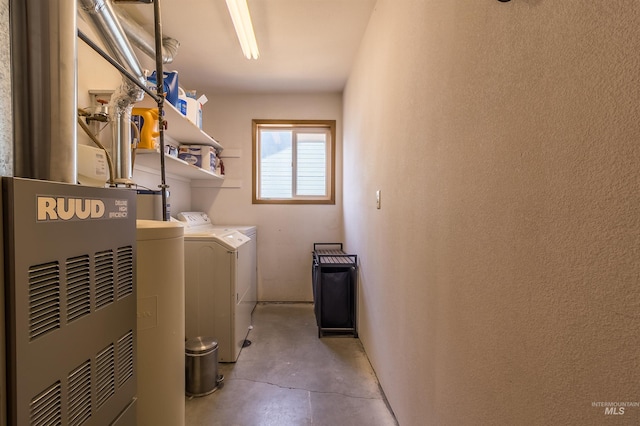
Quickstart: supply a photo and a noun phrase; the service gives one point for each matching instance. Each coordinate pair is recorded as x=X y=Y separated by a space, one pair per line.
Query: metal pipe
x=145 y=41
x=160 y=89
x=44 y=51
x=102 y=17
x=6 y=119
x=117 y=66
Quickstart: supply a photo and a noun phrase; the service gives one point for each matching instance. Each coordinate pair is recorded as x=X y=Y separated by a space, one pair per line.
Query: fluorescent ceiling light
x=239 y=12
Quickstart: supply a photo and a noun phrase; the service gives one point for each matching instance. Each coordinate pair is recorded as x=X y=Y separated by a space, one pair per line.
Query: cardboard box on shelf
x=191 y=107
x=202 y=156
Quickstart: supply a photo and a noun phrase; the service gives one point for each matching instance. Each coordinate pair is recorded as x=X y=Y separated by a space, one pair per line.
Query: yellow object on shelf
x=149 y=130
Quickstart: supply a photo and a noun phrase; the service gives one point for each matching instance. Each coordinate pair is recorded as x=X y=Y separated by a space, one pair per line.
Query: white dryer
x=217 y=284
x=250 y=231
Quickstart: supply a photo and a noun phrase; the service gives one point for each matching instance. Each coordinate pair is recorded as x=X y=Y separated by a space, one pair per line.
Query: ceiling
x=305 y=45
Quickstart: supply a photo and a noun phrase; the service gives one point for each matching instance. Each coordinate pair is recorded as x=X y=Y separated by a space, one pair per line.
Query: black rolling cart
x=335 y=285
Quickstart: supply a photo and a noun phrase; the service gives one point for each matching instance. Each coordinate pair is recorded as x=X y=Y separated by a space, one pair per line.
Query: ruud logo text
x=67 y=208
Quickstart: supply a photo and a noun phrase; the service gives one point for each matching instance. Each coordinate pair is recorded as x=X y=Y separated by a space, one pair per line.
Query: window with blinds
x=293 y=162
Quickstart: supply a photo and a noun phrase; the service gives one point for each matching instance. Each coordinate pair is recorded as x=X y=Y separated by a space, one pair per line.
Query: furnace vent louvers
x=79 y=399
x=125 y=358
x=104 y=278
x=105 y=372
x=125 y=271
x=45 y=409
x=78 y=287
x=44 y=299
x=61 y=372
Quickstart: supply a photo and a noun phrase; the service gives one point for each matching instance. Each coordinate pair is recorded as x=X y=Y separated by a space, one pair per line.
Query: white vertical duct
x=102 y=17
x=44 y=51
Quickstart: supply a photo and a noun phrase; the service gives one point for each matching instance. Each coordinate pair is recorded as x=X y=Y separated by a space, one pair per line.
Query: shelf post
x=161 y=98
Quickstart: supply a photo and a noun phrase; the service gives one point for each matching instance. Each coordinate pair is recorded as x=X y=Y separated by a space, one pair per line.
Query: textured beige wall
x=500 y=280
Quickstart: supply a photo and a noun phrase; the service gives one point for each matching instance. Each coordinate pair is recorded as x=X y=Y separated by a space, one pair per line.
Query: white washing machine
x=218 y=280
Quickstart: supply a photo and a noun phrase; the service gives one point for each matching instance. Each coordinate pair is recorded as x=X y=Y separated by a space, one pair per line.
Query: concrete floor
x=288 y=376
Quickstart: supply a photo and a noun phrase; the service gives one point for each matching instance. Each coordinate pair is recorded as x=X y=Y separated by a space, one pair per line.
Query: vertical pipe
x=102 y=18
x=6 y=112
x=121 y=143
x=6 y=169
x=44 y=48
x=160 y=90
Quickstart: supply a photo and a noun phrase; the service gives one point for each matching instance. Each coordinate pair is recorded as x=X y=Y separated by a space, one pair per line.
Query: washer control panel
x=194 y=218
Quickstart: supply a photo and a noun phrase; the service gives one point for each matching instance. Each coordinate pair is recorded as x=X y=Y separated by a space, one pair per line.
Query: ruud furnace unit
x=70 y=301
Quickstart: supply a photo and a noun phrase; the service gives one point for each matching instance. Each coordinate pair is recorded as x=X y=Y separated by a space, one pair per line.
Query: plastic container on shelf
x=170 y=85
x=146 y=119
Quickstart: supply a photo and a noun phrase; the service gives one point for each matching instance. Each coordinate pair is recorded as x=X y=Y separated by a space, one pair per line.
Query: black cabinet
x=335 y=285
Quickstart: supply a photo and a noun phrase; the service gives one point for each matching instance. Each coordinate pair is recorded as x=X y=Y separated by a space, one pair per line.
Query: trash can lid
x=200 y=344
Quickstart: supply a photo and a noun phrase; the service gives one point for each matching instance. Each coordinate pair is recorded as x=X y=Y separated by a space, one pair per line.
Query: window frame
x=298 y=125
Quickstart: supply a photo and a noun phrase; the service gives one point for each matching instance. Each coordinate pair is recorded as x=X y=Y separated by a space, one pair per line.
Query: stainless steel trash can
x=201 y=366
